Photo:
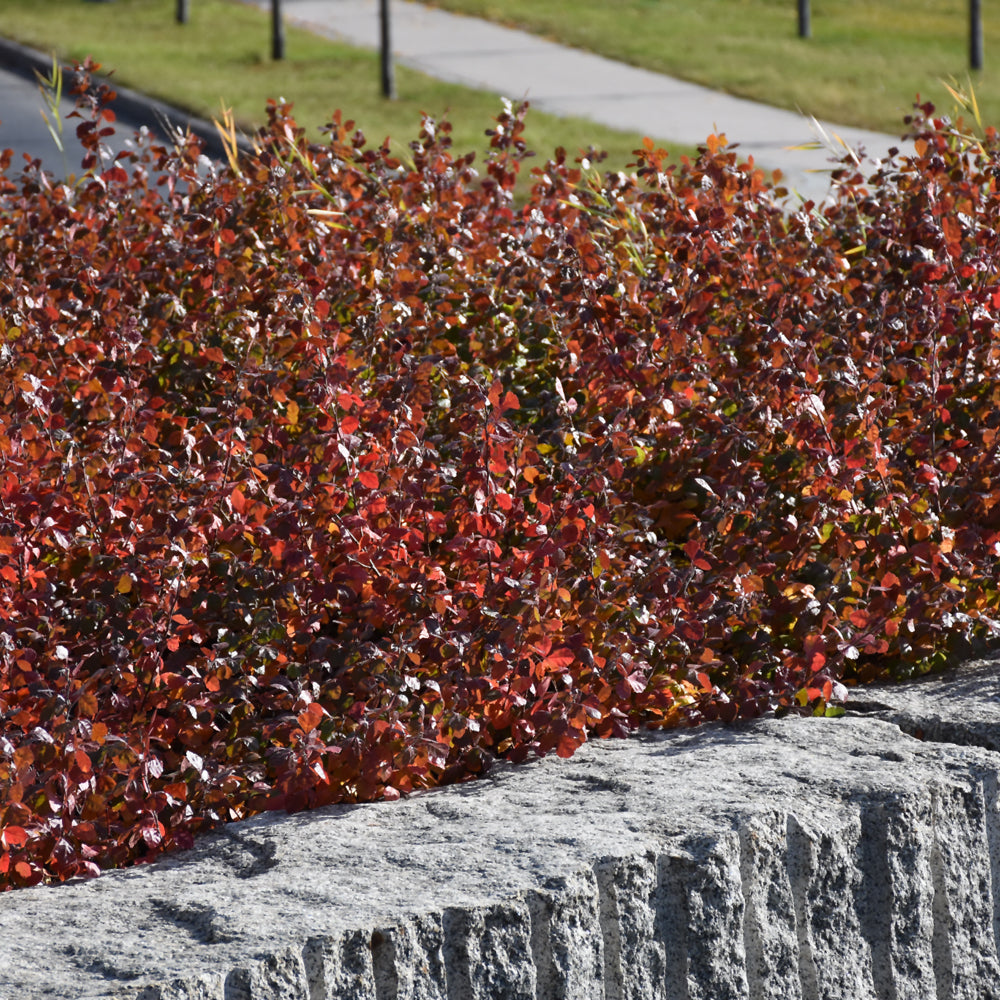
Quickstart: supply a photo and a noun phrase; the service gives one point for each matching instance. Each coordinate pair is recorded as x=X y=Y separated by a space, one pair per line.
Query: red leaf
x=152 y=832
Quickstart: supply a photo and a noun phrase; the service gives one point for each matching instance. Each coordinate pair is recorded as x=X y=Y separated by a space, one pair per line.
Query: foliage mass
x=325 y=476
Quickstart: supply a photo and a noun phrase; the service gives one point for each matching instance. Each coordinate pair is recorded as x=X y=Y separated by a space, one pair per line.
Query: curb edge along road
x=132 y=109
x=780 y=859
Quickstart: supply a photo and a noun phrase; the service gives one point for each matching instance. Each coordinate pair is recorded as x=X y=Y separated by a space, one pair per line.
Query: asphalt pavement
x=23 y=112
x=23 y=129
x=511 y=63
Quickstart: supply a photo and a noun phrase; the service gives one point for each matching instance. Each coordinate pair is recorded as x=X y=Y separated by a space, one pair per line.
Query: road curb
x=131 y=107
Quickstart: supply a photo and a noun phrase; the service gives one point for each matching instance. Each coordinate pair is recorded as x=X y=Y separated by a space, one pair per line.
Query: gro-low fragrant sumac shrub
x=326 y=476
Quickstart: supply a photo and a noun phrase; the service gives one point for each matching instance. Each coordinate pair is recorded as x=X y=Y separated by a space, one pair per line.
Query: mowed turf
x=864 y=65
x=222 y=58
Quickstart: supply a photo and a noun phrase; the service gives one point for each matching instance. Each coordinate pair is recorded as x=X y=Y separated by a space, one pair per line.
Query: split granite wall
x=786 y=859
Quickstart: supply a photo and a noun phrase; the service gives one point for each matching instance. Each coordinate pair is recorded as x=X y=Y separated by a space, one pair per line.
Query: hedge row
x=325 y=476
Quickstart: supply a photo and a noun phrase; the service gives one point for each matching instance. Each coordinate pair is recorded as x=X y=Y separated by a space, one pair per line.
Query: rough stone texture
x=340 y=965
x=827 y=886
x=634 y=951
x=769 y=931
x=960 y=706
x=797 y=859
x=896 y=850
x=707 y=914
x=567 y=938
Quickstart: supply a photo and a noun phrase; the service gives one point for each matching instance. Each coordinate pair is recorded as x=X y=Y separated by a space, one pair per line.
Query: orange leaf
x=562 y=657
x=177 y=790
x=237 y=500
x=310 y=717
x=82 y=760
x=14 y=836
x=368 y=479
x=87 y=704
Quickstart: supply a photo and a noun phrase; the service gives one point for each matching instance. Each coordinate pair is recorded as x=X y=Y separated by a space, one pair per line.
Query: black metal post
x=975 y=34
x=388 y=73
x=182 y=11
x=805 y=21
x=277 y=31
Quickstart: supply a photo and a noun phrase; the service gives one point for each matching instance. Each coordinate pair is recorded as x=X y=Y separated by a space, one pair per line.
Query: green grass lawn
x=866 y=62
x=222 y=57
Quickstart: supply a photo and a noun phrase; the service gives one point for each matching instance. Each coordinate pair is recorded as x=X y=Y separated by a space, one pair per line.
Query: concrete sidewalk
x=518 y=66
x=568 y=81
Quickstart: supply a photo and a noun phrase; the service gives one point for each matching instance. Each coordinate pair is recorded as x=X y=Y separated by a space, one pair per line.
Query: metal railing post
x=975 y=34
x=277 y=31
x=805 y=21
x=388 y=72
